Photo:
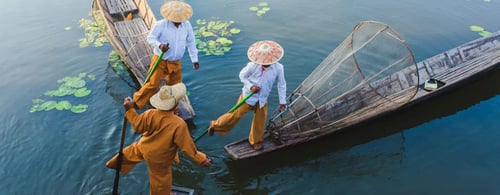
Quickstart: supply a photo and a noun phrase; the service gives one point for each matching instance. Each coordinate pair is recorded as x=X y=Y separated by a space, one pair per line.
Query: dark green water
x=446 y=146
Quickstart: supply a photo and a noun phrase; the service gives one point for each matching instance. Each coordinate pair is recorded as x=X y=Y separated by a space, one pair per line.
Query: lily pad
x=82 y=92
x=91 y=77
x=476 y=28
x=235 y=31
x=485 y=33
x=49 y=105
x=254 y=9
x=63 y=105
x=79 y=108
x=263 y=4
x=36 y=108
x=61 y=91
x=37 y=101
x=74 y=82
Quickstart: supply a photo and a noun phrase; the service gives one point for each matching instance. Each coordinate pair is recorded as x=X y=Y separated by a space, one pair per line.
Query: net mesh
x=363 y=76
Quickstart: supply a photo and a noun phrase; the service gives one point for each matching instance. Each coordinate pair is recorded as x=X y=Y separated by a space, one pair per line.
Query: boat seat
x=120 y=8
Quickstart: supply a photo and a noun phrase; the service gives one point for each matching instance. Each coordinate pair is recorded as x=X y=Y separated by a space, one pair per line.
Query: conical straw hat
x=265 y=52
x=176 y=11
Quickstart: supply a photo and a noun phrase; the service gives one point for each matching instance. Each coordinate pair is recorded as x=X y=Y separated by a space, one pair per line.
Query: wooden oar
x=232 y=110
x=154 y=67
x=119 y=159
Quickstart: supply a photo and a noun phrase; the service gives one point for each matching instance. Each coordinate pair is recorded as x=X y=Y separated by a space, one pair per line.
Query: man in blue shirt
x=258 y=76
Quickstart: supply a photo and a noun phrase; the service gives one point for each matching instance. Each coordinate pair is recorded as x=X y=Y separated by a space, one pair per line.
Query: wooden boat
x=126 y=24
x=453 y=68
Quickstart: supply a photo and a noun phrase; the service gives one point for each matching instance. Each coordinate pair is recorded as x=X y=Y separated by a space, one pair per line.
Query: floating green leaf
x=49 y=105
x=254 y=9
x=67 y=28
x=38 y=101
x=476 y=28
x=263 y=4
x=261 y=12
x=82 y=92
x=91 y=77
x=484 y=33
x=61 y=91
x=79 y=108
x=234 y=31
x=63 y=105
x=36 y=108
x=74 y=82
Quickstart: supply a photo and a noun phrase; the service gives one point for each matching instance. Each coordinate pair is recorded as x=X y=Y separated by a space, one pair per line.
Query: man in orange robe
x=163 y=133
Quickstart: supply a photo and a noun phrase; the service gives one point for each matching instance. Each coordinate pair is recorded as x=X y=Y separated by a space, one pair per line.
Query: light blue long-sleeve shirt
x=254 y=74
x=164 y=31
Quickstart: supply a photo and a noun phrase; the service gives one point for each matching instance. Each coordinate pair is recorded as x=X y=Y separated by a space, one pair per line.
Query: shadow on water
x=477 y=89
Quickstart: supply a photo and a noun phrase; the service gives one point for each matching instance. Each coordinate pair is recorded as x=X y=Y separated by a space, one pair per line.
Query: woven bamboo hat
x=168 y=97
x=176 y=11
x=265 y=52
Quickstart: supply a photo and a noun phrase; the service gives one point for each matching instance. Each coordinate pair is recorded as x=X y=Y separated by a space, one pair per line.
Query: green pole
x=154 y=67
x=232 y=110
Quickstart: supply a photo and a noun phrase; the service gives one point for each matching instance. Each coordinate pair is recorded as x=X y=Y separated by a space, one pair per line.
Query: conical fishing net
x=370 y=72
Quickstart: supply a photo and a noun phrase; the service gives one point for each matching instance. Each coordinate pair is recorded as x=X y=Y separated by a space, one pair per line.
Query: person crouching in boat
x=163 y=133
x=258 y=76
x=170 y=35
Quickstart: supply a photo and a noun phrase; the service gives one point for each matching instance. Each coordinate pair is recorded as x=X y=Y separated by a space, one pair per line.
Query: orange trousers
x=226 y=122
x=160 y=170
x=171 y=71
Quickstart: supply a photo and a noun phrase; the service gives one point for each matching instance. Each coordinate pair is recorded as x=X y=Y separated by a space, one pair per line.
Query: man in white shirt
x=258 y=76
x=170 y=35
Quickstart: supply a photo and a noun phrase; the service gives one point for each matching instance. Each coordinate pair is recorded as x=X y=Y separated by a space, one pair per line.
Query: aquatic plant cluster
x=117 y=64
x=260 y=9
x=70 y=86
x=212 y=36
x=94 y=34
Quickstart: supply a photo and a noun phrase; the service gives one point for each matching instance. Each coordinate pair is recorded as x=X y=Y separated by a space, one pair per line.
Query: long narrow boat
x=346 y=90
x=126 y=25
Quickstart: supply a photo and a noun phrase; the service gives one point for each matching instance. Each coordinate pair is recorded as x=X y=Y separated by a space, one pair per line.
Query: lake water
x=448 y=145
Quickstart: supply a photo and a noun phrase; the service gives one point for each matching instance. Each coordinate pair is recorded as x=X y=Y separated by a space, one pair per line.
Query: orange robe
x=163 y=133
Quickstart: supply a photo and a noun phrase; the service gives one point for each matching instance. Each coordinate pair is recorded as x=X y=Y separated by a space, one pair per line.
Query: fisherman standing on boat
x=258 y=77
x=163 y=133
x=170 y=35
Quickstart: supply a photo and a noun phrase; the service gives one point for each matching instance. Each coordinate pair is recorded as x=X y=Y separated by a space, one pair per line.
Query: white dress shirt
x=254 y=74
x=164 y=31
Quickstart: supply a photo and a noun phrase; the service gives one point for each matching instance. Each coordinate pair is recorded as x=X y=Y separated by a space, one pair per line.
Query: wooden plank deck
x=455 y=67
x=121 y=8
